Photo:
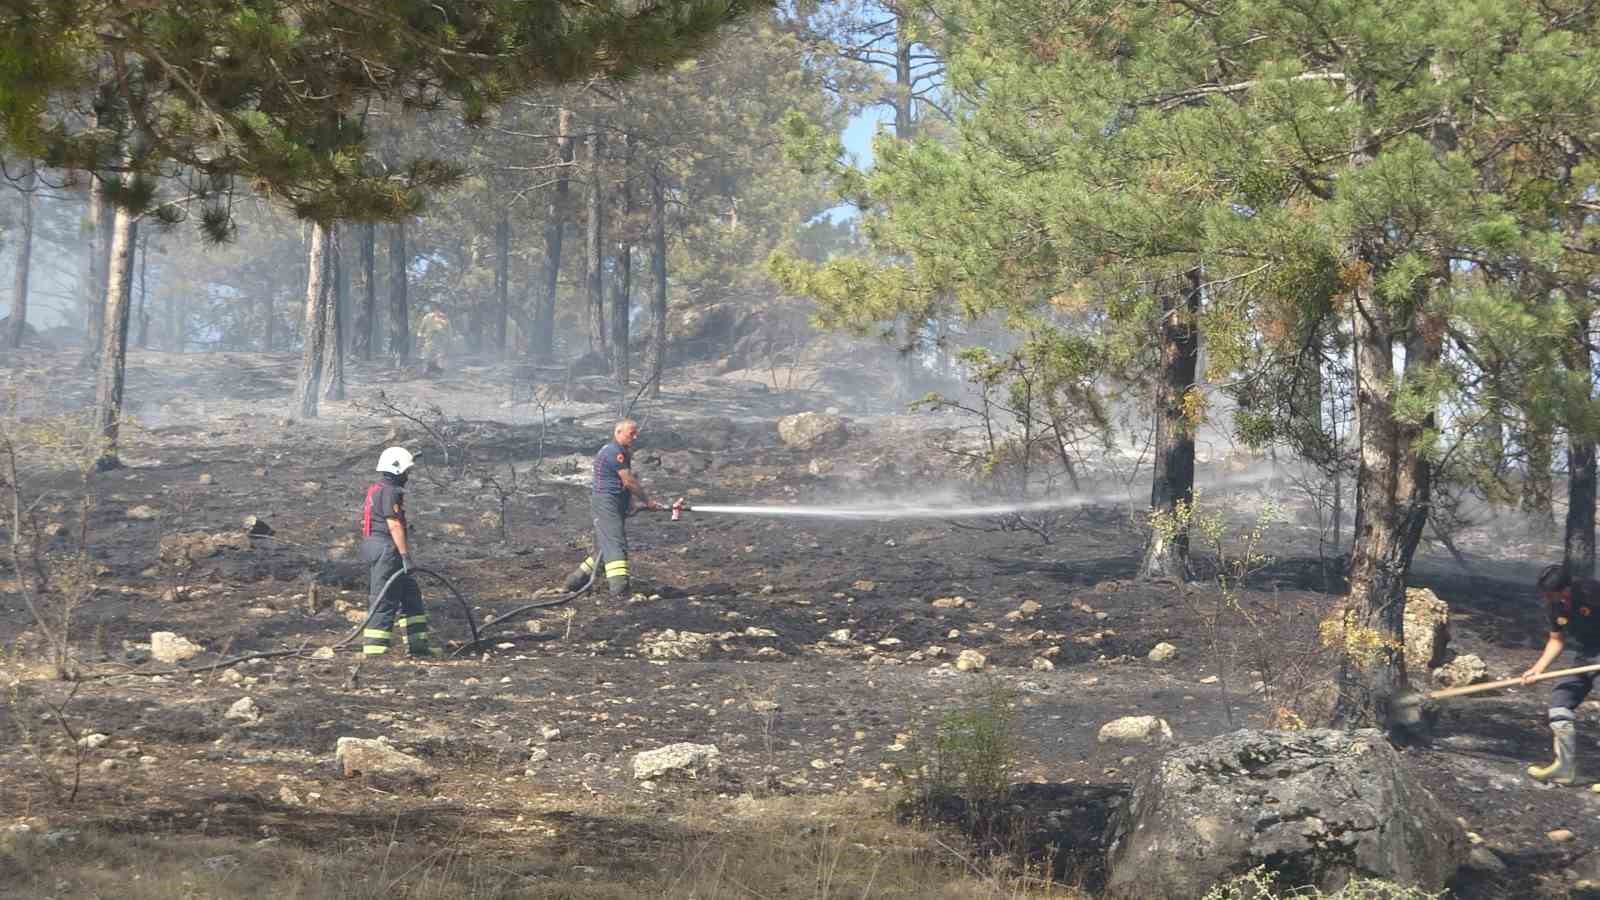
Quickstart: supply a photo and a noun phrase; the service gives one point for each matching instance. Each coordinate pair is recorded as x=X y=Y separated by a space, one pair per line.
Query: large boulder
x=1316 y=807
x=1426 y=631
x=813 y=431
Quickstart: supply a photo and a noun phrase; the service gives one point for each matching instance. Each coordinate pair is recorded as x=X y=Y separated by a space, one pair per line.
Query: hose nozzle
x=678 y=507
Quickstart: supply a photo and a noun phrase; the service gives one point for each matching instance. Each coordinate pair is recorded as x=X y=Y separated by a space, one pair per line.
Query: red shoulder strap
x=366 y=511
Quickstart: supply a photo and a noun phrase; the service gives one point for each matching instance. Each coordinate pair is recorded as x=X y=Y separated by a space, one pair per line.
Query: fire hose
x=477 y=632
x=677 y=509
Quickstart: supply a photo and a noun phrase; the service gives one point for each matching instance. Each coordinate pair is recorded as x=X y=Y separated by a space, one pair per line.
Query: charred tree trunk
x=1579 y=554
x=1394 y=482
x=176 y=338
x=314 y=348
x=541 y=343
x=101 y=221
x=333 y=387
x=114 y=336
x=361 y=338
x=658 y=269
x=267 y=317
x=144 y=291
x=19 y=295
x=502 y=279
x=399 y=311
x=622 y=303
x=473 y=332
x=1172 y=483
x=903 y=122
x=595 y=249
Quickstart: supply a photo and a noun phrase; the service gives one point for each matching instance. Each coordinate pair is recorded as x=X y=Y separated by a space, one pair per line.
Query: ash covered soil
x=814 y=655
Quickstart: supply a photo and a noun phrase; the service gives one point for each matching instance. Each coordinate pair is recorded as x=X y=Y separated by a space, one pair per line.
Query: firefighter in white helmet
x=386 y=547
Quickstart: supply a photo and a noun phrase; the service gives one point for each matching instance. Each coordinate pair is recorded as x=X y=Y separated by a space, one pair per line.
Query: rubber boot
x=618 y=585
x=1564 y=768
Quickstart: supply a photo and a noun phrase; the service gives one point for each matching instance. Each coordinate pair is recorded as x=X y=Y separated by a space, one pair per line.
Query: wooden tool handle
x=1508 y=682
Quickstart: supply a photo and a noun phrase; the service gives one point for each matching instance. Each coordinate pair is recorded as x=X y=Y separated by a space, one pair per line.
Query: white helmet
x=396 y=460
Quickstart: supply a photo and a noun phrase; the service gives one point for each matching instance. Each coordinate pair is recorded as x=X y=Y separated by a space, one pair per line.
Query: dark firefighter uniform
x=401 y=607
x=1577 y=617
x=611 y=504
x=1573 y=607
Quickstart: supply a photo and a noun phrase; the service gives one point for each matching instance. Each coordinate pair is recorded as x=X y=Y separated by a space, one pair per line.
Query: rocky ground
x=816 y=657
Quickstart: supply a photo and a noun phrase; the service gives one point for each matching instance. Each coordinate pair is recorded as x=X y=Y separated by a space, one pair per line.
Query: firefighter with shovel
x=1573 y=607
x=1574 y=613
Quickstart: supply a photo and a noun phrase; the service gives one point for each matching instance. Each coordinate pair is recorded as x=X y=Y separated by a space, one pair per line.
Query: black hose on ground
x=372 y=609
x=546 y=603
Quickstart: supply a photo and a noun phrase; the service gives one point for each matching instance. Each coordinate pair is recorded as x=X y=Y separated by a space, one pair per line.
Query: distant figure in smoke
x=386 y=547
x=615 y=488
x=1574 y=611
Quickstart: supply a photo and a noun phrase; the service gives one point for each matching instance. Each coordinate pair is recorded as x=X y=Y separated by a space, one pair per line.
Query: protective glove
x=405 y=564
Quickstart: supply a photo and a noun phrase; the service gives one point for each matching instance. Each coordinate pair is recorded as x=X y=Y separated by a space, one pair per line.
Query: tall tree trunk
x=361 y=338
x=114 y=336
x=470 y=324
x=502 y=279
x=622 y=303
x=596 y=245
x=1579 y=555
x=268 y=318
x=144 y=291
x=1172 y=482
x=101 y=219
x=333 y=387
x=541 y=342
x=175 y=317
x=658 y=268
x=19 y=295
x=903 y=123
x=399 y=311
x=314 y=348
x=1394 y=483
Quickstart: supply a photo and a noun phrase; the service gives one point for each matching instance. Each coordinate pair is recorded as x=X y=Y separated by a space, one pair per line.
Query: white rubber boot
x=1564 y=768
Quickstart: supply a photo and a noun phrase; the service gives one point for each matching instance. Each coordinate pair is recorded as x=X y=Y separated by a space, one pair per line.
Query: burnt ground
x=554 y=709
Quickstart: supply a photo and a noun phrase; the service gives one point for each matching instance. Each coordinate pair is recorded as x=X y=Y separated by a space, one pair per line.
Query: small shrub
x=968 y=758
x=1259 y=884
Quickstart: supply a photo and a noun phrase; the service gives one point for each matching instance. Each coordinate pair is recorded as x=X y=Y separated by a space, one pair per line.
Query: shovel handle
x=1508 y=682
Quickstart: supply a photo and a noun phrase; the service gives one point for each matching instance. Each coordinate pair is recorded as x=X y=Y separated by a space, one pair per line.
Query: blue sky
x=858 y=134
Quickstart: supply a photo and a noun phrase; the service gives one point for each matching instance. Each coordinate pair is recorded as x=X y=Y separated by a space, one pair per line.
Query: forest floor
x=812 y=654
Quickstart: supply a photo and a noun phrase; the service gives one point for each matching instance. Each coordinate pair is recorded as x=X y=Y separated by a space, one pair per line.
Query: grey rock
x=672 y=644
x=1135 y=730
x=813 y=431
x=1461 y=671
x=169 y=647
x=245 y=710
x=362 y=755
x=1318 y=807
x=682 y=759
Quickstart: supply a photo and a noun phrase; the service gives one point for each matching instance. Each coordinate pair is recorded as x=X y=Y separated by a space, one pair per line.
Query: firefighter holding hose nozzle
x=386 y=547
x=616 y=489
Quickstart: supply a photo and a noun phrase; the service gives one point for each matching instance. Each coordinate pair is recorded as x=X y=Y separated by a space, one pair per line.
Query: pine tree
x=1319 y=165
x=220 y=91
